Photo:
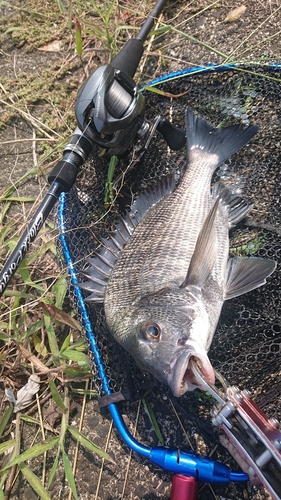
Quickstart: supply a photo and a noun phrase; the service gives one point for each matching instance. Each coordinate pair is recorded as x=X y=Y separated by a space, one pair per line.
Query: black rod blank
x=149 y=23
x=127 y=60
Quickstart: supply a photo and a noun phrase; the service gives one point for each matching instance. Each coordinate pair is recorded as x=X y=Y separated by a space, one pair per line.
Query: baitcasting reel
x=110 y=109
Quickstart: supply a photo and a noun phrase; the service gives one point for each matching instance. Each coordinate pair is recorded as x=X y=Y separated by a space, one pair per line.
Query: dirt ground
x=131 y=477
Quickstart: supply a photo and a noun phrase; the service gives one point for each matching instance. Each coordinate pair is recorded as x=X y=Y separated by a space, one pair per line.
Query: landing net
x=246 y=348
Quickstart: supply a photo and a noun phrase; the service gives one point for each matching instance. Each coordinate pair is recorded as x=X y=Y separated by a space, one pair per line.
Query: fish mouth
x=181 y=378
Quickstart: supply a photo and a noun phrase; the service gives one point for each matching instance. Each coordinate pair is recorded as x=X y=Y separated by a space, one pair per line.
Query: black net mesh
x=247 y=344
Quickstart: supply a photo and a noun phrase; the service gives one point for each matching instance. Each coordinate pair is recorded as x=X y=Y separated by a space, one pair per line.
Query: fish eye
x=150 y=331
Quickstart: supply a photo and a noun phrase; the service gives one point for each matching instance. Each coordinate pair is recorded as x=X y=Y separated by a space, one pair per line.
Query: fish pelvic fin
x=223 y=142
x=103 y=262
x=246 y=273
x=205 y=252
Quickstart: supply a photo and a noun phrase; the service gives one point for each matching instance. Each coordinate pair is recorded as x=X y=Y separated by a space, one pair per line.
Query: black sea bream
x=165 y=272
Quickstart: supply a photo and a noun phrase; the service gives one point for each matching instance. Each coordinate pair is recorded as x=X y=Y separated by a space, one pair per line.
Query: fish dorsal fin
x=222 y=142
x=204 y=255
x=102 y=264
x=245 y=274
x=150 y=197
x=98 y=272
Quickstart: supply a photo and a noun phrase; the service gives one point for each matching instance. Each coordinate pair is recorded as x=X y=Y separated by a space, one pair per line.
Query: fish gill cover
x=246 y=347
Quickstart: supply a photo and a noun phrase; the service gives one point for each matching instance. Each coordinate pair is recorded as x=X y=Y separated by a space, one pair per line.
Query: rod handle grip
x=127 y=60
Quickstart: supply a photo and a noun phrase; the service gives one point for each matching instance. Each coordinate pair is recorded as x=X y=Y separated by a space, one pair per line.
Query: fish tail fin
x=222 y=142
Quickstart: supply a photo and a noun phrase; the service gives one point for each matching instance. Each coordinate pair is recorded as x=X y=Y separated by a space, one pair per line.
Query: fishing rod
x=110 y=113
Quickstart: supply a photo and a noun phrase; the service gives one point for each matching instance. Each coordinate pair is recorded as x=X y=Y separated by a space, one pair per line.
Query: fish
x=164 y=273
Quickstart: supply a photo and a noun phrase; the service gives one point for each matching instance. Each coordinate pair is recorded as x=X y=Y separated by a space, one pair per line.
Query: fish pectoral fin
x=246 y=273
x=205 y=252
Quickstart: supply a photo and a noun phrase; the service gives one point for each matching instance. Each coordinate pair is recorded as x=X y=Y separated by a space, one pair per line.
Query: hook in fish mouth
x=182 y=377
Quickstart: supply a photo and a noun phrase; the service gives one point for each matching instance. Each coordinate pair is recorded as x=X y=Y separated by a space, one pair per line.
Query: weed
x=34 y=322
x=41 y=333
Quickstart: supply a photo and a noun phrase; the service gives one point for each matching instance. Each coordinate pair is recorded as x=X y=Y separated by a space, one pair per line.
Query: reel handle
x=109 y=109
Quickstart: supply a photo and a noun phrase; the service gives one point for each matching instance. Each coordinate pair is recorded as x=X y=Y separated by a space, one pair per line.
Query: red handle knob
x=184 y=488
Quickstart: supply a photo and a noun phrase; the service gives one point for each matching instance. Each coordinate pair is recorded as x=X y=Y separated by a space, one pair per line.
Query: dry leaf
x=25 y=394
x=33 y=359
x=60 y=315
x=10 y=396
x=54 y=413
x=54 y=46
x=235 y=14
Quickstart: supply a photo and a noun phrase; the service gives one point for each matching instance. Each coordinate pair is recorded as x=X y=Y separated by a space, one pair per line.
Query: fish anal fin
x=246 y=273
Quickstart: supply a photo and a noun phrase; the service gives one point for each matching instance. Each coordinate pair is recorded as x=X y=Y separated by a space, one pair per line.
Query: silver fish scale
x=159 y=252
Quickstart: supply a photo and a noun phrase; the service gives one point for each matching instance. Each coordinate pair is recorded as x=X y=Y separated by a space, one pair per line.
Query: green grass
x=40 y=334
x=39 y=330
